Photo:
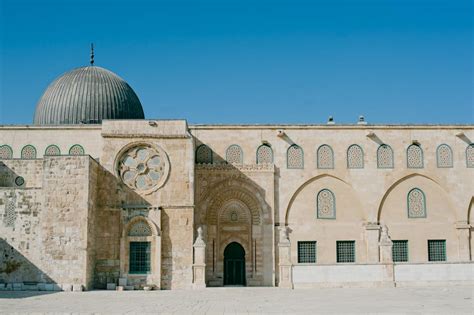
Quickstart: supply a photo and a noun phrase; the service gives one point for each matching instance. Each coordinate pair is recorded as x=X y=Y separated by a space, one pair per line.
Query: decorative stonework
x=326 y=205
x=234 y=155
x=203 y=155
x=444 y=156
x=6 y=152
x=10 y=211
x=143 y=168
x=294 y=156
x=264 y=154
x=140 y=228
x=325 y=157
x=28 y=152
x=384 y=156
x=355 y=157
x=414 y=156
x=52 y=150
x=470 y=156
x=76 y=150
x=416 y=204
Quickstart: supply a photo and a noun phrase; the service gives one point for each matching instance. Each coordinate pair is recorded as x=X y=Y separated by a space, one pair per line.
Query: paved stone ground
x=420 y=300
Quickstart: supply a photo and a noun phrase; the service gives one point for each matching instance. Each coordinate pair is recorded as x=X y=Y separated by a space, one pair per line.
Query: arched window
x=140 y=228
x=234 y=155
x=414 y=156
x=325 y=157
x=203 y=154
x=76 y=150
x=264 y=154
x=326 y=205
x=416 y=203
x=470 y=155
x=6 y=152
x=52 y=150
x=444 y=156
x=294 y=157
x=28 y=152
x=384 y=156
x=355 y=157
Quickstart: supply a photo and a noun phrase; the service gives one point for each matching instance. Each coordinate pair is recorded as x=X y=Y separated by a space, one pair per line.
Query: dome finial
x=92 y=54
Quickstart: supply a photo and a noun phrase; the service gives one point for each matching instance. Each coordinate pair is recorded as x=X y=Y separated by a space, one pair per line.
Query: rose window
x=143 y=168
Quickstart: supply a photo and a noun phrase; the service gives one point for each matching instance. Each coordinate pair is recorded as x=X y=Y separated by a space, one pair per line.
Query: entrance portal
x=234 y=264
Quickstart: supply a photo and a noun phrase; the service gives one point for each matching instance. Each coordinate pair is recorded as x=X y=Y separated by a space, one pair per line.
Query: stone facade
x=285 y=194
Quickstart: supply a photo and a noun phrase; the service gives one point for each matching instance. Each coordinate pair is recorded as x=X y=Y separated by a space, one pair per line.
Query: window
x=414 y=156
x=436 y=250
x=355 y=157
x=307 y=252
x=6 y=152
x=400 y=251
x=326 y=205
x=76 y=150
x=470 y=155
x=384 y=156
x=325 y=157
x=345 y=251
x=234 y=154
x=294 y=157
x=416 y=203
x=28 y=152
x=203 y=155
x=264 y=154
x=139 y=257
x=444 y=156
x=52 y=150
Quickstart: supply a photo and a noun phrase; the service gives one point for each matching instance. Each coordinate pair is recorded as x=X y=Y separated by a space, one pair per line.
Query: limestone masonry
x=94 y=196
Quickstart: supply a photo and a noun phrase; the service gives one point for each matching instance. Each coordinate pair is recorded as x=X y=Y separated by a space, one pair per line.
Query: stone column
x=284 y=260
x=385 y=245
x=463 y=231
x=372 y=234
x=199 y=266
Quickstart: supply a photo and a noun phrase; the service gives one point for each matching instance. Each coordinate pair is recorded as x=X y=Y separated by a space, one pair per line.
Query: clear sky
x=224 y=61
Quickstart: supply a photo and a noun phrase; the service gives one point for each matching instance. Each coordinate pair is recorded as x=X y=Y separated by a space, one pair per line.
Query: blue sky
x=394 y=61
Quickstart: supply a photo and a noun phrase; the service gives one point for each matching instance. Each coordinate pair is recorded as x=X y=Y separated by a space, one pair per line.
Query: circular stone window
x=143 y=168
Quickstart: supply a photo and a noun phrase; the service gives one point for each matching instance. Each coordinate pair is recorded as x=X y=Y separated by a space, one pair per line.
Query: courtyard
x=239 y=300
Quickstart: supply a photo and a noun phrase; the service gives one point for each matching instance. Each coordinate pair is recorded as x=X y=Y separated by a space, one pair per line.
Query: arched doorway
x=234 y=264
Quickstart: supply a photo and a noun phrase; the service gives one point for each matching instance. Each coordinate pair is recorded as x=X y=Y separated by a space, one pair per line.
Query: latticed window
x=10 y=212
x=444 y=156
x=234 y=154
x=264 y=154
x=384 y=156
x=307 y=252
x=414 y=156
x=52 y=150
x=140 y=228
x=436 y=250
x=294 y=157
x=203 y=154
x=470 y=155
x=400 y=251
x=326 y=205
x=345 y=251
x=416 y=203
x=76 y=150
x=325 y=157
x=139 y=257
x=355 y=157
x=6 y=152
x=28 y=152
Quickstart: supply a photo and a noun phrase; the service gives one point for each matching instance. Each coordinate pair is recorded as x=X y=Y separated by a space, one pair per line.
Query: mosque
x=93 y=195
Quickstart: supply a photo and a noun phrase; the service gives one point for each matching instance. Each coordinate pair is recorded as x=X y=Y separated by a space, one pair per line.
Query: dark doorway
x=234 y=264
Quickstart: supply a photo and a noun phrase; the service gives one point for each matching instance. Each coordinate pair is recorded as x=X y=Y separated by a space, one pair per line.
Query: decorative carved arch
x=155 y=231
x=397 y=182
x=233 y=189
x=306 y=183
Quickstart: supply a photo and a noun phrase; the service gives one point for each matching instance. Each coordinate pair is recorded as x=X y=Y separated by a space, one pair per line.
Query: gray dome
x=87 y=95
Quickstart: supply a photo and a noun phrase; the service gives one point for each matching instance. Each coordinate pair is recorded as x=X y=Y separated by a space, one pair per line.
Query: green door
x=234 y=264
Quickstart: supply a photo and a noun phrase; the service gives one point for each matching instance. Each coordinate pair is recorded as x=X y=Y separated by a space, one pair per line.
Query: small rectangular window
x=436 y=250
x=307 y=252
x=345 y=251
x=400 y=251
x=139 y=257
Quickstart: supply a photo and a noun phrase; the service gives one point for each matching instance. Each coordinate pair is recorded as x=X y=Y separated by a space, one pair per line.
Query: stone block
x=147 y=288
x=77 y=288
x=17 y=286
x=129 y=287
x=41 y=286
x=49 y=287
x=111 y=286
x=30 y=287
x=122 y=282
x=66 y=287
x=120 y=288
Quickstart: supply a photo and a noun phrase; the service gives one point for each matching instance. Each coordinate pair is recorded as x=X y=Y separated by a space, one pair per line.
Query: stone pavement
x=419 y=300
